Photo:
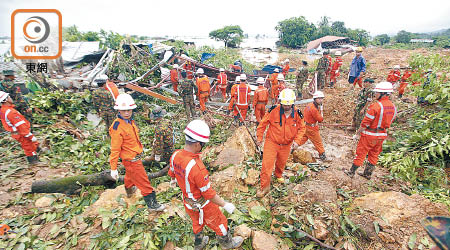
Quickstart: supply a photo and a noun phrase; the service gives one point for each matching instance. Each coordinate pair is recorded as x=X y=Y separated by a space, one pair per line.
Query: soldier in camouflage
x=302 y=77
x=15 y=93
x=322 y=67
x=438 y=228
x=186 y=89
x=364 y=97
x=163 y=144
x=104 y=104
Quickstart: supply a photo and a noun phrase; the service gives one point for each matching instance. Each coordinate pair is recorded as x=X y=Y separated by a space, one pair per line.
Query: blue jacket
x=358 y=65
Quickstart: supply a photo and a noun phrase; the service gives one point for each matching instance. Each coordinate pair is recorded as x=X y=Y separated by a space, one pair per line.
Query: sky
x=198 y=18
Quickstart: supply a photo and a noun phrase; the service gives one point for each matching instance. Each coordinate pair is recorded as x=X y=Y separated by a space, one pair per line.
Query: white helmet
x=124 y=102
x=397 y=67
x=338 y=53
x=221 y=69
x=318 y=94
x=175 y=66
x=243 y=77
x=197 y=130
x=238 y=79
x=287 y=97
x=276 y=70
x=103 y=77
x=260 y=80
x=280 y=77
x=200 y=71
x=3 y=96
x=383 y=87
x=287 y=60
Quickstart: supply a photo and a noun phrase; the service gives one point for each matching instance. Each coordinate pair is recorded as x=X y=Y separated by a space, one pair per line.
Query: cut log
x=72 y=185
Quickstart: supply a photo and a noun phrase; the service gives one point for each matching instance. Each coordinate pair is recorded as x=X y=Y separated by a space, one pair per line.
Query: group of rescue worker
x=285 y=128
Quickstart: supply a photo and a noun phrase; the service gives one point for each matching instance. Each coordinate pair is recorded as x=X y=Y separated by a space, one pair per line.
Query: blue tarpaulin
x=206 y=56
x=150 y=46
x=270 y=68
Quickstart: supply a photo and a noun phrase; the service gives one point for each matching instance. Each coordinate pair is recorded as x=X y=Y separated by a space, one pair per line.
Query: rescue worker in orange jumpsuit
x=222 y=81
x=394 y=75
x=204 y=88
x=334 y=74
x=174 y=77
x=286 y=127
x=240 y=98
x=260 y=100
x=286 y=67
x=189 y=68
x=274 y=85
x=281 y=84
x=125 y=144
x=373 y=128
x=19 y=127
x=313 y=116
x=201 y=201
x=404 y=82
x=326 y=54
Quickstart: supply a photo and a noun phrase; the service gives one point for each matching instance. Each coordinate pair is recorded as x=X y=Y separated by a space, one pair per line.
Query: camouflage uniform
x=186 y=88
x=163 y=144
x=19 y=100
x=438 y=228
x=302 y=77
x=104 y=104
x=364 y=97
x=322 y=67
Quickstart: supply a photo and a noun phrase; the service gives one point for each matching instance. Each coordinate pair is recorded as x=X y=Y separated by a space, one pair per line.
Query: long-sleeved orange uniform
x=285 y=69
x=378 y=118
x=404 y=82
x=204 y=87
x=274 y=85
x=335 y=69
x=112 y=88
x=282 y=131
x=312 y=117
x=240 y=99
x=15 y=122
x=193 y=179
x=260 y=100
x=222 y=81
x=394 y=76
x=174 y=79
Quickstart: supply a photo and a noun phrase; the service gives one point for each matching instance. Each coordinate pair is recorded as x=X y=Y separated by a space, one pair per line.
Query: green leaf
x=257 y=212
x=310 y=219
x=106 y=222
x=377 y=227
x=309 y=247
x=124 y=242
x=412 y=241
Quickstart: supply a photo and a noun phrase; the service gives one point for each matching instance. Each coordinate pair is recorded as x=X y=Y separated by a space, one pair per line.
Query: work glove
x=173 y=183
x=157 y=157
x=33 y=139
x=229 y=207
x=355 y=137
x=114 y=174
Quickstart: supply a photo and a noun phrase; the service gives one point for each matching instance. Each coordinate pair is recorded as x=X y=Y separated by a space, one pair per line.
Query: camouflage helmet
x=8 y=72
x=438 y=228
x=157 y=112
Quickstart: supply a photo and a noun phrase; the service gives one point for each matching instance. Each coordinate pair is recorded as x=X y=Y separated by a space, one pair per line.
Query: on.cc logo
x=36 y=29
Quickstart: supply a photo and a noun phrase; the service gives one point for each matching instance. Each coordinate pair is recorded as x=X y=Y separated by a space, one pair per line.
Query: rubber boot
x=33 y=160
x=368 y=171
x=130 y=191
x=262 y=192
x=323 y=157
x=352 y=171
x=228 y=242
x=200 y=241
x=152 y=204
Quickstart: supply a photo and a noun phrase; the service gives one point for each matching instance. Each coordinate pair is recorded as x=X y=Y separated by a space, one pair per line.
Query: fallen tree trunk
x=72 y=185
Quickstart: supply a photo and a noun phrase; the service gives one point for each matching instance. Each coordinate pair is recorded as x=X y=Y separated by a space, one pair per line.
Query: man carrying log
x=19 y=126
x=201 y=201
x=125 y=144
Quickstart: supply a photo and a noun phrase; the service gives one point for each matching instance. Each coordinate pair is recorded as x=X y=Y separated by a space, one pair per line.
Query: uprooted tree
x=231 y=35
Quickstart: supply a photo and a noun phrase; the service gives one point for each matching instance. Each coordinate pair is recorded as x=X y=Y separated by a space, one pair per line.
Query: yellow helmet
x=287 y=97
x=359 y=49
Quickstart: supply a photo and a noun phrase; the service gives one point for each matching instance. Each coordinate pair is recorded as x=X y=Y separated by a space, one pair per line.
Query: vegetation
x=231 y=35
x=107 y=39
x=295 y=32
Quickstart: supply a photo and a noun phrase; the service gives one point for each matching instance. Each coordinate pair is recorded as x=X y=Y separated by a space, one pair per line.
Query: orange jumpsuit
x=393 y=76
x=274 y=82
x=260 y=100
x=335 y=69
x=312 y=118
x=125 y=144
x=285 y=69
x=328 y=71
x=222 y=81
x=203 y=86
x=281 y=133
x=112 y=88
x=189 y=69
x=240 y=98
x=378 y=118
x=19 y=127
x=193 y=179
x=404 y=82
x=174 y=79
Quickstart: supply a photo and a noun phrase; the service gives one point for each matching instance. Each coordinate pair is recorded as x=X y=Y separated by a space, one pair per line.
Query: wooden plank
x=150 y=93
